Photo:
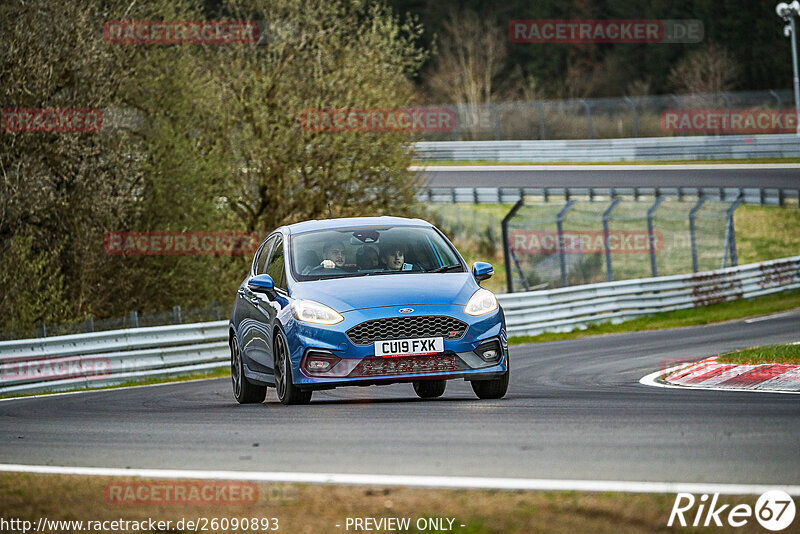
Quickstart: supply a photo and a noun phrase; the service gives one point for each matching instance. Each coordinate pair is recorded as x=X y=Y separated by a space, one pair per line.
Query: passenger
x=333 y=255
x=392 y=256
x=367 y=258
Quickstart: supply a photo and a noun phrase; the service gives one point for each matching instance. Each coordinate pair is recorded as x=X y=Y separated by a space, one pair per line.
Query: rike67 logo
x=774 y=510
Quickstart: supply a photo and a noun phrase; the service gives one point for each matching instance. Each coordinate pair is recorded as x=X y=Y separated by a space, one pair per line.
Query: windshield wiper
x=445 y=268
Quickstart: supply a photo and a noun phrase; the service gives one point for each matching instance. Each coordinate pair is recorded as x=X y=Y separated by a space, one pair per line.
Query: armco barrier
x=108 y=358
x=112 y=357
x=627 y=149
x=564 y=309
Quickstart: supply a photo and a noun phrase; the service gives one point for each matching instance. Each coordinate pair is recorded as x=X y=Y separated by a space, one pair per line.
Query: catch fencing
x=605 y=118
x=576 y=242
x=108 y=358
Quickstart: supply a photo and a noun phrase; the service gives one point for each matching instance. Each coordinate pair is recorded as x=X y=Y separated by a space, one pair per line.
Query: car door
x=264 y=309
x=253 y=333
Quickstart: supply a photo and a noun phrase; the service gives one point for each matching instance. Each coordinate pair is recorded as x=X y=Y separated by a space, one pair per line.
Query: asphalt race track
x=575 y=410
x=785 y=176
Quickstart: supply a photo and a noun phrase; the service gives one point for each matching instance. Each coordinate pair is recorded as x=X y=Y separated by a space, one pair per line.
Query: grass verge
x=319 y=509
x=713 y=313
x=213 y=373
x=766 y=232
x=787 y=354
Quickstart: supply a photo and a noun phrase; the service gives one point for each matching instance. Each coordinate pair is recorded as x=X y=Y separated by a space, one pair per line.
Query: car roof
x=346 y=222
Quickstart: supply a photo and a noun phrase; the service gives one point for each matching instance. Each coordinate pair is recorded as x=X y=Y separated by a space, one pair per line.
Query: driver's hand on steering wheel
x=328 y=264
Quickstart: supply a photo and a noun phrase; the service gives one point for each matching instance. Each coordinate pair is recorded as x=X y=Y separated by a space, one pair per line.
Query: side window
x=275 y=268
x=262 y=255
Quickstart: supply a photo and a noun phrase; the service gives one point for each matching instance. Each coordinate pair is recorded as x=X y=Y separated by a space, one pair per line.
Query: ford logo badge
x=406 y=310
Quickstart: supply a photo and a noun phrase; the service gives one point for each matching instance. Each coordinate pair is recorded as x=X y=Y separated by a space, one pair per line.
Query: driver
x=392 y=256
x=333 y=255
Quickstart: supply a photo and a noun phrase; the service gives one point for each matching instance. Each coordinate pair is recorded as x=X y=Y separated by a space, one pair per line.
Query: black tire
x=243 y=390
x=491 y=389
x=430 y=389
x=287 y=392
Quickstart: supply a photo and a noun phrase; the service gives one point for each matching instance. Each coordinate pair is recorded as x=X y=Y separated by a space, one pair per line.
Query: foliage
x=216 y=144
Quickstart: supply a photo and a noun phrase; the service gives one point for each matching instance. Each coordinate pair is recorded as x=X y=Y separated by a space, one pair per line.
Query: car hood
x=345 y=294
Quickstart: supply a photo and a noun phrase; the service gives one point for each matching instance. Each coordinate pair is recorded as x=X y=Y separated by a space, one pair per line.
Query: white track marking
x=632 y=167
x=110 y=388
x=768 y=317
x=532 y=484
x=653 y=380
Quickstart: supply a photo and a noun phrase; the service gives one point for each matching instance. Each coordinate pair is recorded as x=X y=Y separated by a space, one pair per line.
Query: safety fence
x=578 y=242
x=133 y=319
x=621 y=117
x=114 y=357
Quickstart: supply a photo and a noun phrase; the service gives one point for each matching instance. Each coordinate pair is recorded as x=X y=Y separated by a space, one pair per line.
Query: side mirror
x=262 y=283
x=482 y=270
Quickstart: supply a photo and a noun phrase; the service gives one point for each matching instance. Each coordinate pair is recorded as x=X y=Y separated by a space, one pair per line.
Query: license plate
x=409 y=347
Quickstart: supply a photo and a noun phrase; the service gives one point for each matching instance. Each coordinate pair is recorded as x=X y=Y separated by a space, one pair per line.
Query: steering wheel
x=319 y=269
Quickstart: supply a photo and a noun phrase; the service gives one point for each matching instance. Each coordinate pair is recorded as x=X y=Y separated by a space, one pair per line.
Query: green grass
x=713 y=313
x=788 y=354
x=317 y=507
x=434 y=163
x=203 y=375
x=766 y=232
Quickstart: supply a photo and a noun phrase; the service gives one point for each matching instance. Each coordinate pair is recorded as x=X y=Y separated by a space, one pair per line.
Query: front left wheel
x=288 y=393
x=491 y=389
x=244 y=391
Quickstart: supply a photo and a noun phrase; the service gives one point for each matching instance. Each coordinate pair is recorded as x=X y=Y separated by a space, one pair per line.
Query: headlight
x=309 y=311
x=481 y=303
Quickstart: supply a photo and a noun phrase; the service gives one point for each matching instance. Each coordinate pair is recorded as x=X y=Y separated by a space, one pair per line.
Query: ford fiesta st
x=364 y=301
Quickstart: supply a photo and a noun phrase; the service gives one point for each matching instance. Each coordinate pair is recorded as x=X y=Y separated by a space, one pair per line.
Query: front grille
x=368 y=332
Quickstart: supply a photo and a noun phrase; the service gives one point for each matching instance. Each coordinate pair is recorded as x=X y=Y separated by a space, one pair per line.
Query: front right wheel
x=288 y=393
x=491 y=389
x=244 y=391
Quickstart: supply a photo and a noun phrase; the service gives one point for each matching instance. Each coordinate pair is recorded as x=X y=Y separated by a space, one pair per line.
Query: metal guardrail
x=113 y=357
x=627 y=149
x=509 y=195
x=564 y=309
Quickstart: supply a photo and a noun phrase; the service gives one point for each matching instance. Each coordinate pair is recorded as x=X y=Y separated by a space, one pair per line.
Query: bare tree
x=709 y=70
x=471 y=52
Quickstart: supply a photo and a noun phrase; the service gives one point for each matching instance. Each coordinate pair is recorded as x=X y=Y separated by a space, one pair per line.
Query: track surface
x=762 y=176
x=575 y=410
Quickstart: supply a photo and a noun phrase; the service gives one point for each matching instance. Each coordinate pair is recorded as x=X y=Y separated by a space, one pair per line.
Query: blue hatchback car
x=364 y=301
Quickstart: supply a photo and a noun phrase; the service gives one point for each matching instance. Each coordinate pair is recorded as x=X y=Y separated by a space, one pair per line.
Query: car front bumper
x=357 y=364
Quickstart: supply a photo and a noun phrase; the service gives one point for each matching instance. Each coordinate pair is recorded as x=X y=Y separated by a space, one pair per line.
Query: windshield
x=368 y=251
